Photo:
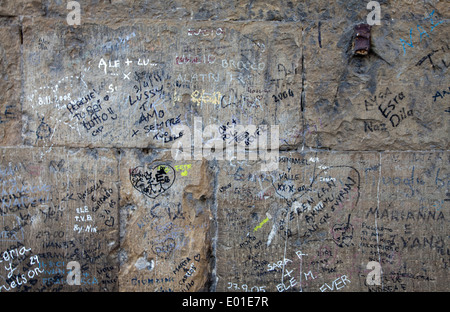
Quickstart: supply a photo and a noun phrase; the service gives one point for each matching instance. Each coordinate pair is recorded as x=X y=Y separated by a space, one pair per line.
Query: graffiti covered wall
x=224 y=146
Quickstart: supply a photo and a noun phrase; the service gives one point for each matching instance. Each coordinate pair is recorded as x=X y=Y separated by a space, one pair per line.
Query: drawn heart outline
x=337 y=195
x=165 y=248
x=152 y=181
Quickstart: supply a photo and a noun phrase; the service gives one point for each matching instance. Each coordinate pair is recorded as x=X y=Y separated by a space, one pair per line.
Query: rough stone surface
x=165 y=226
x=58 y=206
x=324 y=215
x=144 y=79
x=383 y=101
x=10 y=115
x=137 y=148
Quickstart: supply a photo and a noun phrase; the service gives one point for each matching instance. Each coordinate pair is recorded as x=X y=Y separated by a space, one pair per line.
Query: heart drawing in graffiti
x=165 y=248
x=318 y=203
x=153 y=181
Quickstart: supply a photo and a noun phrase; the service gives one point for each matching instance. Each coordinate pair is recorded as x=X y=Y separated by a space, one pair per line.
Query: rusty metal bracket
x=361 y=41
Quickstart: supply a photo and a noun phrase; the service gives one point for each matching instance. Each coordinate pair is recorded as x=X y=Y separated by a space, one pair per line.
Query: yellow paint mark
x=261 y=224
x=206 y=98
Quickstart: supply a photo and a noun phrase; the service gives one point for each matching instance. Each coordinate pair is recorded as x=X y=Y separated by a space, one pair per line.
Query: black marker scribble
x=154 y=181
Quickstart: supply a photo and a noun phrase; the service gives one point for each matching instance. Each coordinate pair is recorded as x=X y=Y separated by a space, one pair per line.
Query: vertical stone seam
x=214 y=231
x=21 y=137
x=376 y=215
x=302 y=94
x=118 y=154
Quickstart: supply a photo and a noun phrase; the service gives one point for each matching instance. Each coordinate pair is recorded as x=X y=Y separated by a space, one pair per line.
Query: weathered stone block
x=165 y=223
x=317 y=222
x=10 y=114
x=137 y=84
x=59 y=206
x=393 y=98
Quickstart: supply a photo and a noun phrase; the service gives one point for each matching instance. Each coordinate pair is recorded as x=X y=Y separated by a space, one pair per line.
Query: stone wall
x=224 y=146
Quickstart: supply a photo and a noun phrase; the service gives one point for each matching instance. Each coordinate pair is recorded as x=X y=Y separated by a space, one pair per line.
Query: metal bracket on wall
x=361 y=42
